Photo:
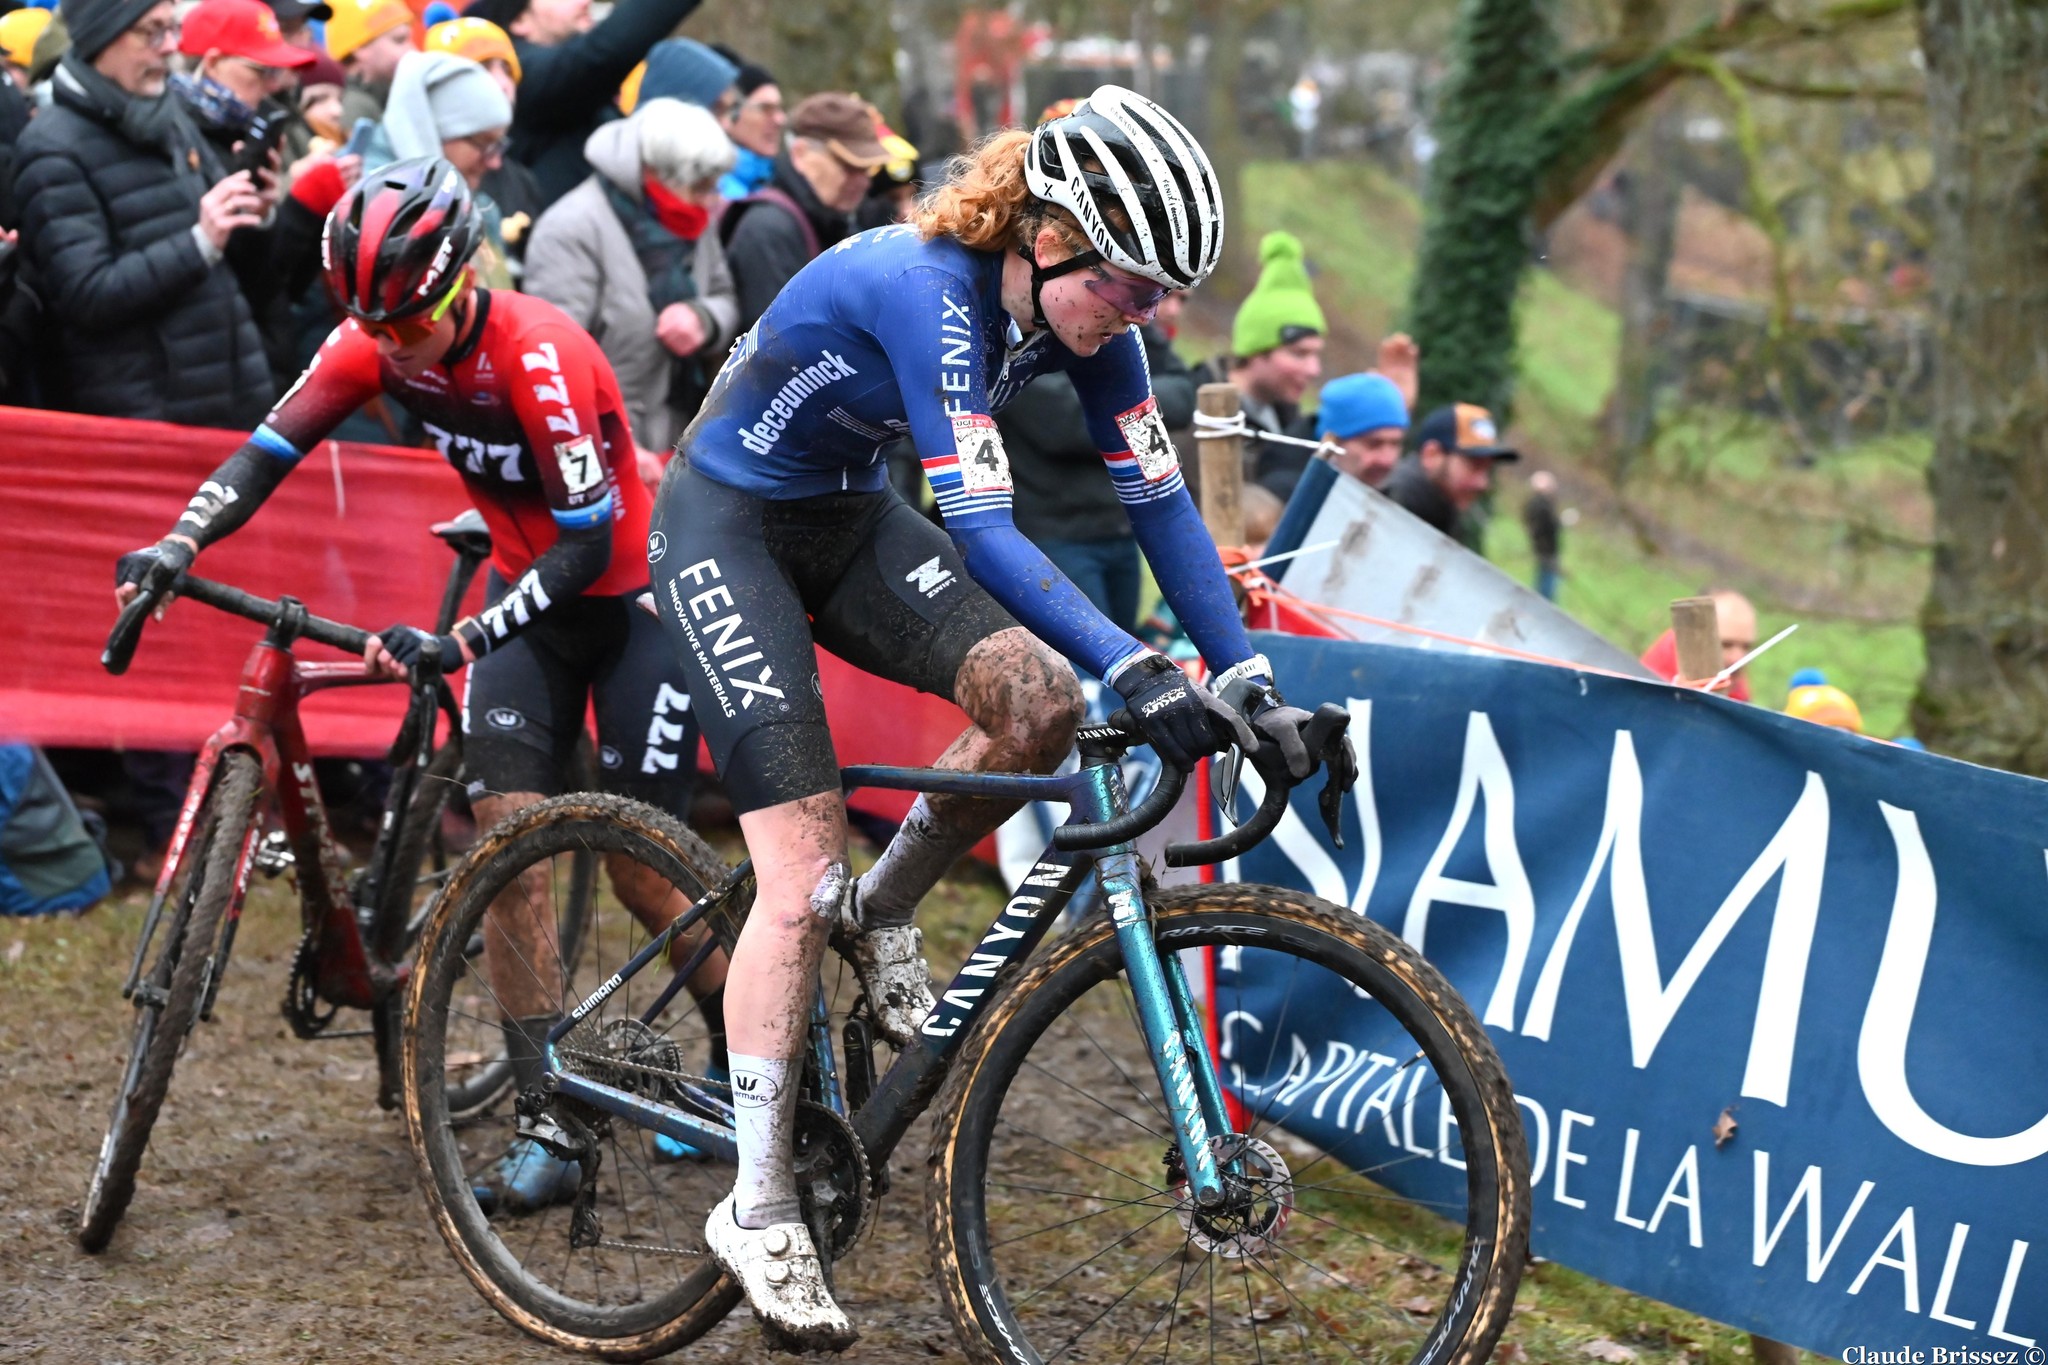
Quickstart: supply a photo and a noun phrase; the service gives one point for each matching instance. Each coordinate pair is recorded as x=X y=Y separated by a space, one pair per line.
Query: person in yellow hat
x=368 y=37
x=484 y=43
x=18 y=33
x=1825 y=704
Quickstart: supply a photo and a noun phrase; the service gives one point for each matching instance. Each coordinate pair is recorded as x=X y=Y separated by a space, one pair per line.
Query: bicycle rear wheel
x=649 y=1285
x=1061 y=1223
x=189 y=957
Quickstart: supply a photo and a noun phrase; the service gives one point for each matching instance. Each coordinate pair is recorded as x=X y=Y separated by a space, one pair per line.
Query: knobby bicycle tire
x=224 y=822
x=564 y=825
x=1477 y=1297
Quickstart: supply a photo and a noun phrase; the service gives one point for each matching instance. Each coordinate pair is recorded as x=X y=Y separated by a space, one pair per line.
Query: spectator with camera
x=128 y=217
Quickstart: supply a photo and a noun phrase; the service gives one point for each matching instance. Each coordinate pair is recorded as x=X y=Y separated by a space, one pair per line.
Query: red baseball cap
x=240 y=28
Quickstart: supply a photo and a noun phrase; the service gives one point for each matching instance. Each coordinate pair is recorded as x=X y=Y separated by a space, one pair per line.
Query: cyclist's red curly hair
x=984 y=203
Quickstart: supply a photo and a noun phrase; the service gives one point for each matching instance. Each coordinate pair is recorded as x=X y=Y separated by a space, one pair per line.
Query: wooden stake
x=1696 y=623
x=1222 y=467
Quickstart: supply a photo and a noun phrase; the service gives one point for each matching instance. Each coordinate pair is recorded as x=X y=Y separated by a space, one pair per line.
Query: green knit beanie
x=1282 y=298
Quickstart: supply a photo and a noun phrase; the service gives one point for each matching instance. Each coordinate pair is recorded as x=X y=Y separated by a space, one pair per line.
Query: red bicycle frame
x=266 y=723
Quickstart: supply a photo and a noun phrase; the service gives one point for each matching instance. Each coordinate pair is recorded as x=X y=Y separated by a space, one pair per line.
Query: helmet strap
x=1041 y=273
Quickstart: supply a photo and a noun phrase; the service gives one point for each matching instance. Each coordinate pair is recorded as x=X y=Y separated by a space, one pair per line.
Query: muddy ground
x=277 y=1216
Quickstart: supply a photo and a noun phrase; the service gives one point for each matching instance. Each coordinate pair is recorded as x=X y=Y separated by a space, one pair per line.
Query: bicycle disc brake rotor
x=832 y=1178
x=1257 y=1203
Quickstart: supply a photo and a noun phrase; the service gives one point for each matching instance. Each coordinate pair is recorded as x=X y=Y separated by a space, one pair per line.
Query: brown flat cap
x=845 y=124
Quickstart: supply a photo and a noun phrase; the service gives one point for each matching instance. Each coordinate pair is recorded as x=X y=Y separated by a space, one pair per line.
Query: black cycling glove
x=1183 y=721
x=408 y=646
x=173 y=555
x=1248 y=689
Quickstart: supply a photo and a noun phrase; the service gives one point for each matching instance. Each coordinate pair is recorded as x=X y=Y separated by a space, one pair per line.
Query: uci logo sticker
x=657 y=546
x=504 y=718
x=610 y=757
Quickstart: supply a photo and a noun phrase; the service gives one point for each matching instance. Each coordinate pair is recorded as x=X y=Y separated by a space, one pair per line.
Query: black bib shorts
x=744 y=586
x=525 y=702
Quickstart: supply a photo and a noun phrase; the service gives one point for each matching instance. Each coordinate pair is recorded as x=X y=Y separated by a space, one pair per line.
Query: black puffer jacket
x=140 y=324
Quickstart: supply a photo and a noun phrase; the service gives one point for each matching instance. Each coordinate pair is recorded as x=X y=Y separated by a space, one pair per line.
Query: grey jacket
x=580 y=258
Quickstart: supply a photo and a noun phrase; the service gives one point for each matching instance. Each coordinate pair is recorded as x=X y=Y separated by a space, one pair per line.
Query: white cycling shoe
x=892 y=969
x=784 y=1280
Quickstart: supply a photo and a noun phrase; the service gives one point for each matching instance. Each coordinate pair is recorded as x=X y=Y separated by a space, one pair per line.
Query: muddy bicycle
x=360 y=922
x=1101 y=1184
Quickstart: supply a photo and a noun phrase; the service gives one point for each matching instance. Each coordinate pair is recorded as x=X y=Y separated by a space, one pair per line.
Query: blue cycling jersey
x=886 y=335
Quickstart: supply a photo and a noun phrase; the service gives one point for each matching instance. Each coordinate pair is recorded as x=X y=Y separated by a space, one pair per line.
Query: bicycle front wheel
x=167 y=998
x=1393 y=1229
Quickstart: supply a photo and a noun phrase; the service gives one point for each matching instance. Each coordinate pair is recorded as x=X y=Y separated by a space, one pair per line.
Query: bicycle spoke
x=1096 y=1100
x=1127 y=1237
x=1113 y=1304
x=1055 y=1227
x=1082 y=1156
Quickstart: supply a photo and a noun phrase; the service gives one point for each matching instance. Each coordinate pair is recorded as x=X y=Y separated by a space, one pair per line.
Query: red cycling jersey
x=529 y=413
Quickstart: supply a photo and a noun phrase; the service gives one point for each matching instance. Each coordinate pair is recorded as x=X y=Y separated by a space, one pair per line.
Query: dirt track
x=277 y=1217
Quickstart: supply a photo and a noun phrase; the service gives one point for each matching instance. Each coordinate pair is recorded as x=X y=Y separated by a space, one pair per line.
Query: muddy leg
x=1025 y=702
x=800 y=870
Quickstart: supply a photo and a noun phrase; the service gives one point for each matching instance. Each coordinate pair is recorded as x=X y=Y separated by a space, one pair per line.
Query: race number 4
x=1144 y=432
x=984 y=467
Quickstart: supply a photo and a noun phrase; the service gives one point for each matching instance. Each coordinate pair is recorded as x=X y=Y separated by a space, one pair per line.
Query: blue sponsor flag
x=1774 y=997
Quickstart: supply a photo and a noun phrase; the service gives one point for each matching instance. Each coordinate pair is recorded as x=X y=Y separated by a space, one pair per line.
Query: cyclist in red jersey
x=524 y=405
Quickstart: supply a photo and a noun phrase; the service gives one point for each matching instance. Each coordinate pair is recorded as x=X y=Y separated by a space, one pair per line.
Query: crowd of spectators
x=166 y=168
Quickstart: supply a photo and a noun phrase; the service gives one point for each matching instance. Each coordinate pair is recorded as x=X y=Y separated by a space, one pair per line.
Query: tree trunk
x=1984 y=696
x=1475 y=236
x=1651 y=190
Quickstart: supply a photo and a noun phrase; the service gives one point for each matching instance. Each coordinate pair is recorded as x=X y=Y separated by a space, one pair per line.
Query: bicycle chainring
x=302 y=1004
x=1258 y=1200
x=832 y=1179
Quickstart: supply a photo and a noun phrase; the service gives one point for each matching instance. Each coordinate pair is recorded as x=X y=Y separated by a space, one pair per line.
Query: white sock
x=764 y=1119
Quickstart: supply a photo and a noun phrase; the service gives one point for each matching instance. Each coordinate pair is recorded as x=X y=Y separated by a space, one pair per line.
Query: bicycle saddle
x=466 y=534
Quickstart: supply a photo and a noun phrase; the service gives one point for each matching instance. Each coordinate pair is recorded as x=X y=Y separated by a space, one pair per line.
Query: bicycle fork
x=1173 y=1029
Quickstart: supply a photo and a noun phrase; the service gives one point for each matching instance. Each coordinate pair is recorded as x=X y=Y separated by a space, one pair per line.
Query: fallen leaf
x=1420 y=1305
x=1613 y=1352
x=1724 y=1127
x=15 y=950
x=1511 y=1354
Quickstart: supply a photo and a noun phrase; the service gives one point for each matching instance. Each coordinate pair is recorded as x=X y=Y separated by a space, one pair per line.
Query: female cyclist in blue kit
x=775 y=529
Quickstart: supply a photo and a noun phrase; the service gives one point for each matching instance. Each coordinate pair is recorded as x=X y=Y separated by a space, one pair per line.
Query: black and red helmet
x=397 y=241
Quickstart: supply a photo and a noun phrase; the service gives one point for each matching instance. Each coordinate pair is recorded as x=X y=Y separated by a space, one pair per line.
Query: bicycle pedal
x=274 y=854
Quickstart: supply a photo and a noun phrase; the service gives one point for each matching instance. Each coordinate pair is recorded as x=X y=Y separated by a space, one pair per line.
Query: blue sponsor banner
x=1774 y=998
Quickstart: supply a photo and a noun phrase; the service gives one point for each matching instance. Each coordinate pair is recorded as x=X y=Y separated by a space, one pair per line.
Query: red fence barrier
x=347 y=533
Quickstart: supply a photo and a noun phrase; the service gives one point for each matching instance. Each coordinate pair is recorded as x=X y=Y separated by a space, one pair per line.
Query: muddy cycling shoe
x=526 y=1179
x=667 y=1148
x=892 y=969
x=784 y=1280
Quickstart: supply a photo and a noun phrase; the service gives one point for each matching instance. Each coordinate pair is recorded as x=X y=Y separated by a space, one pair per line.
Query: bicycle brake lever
x=1324 y=737
x=1223 y=783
